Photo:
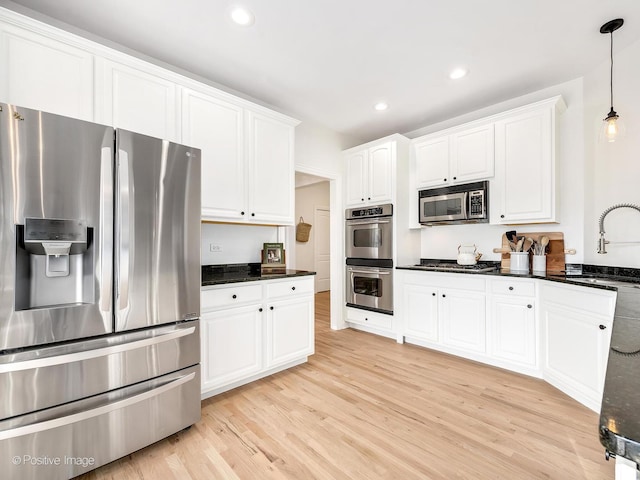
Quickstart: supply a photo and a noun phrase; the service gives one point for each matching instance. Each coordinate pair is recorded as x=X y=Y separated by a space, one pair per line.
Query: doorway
x=318 y=202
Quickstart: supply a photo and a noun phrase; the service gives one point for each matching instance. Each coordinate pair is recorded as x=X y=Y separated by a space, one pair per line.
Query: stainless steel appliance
x=99 y=293
x=455 y=204
x=369 y=251
x=369 y=232
x=454 y=267
x=620 y=412
x=370 y=288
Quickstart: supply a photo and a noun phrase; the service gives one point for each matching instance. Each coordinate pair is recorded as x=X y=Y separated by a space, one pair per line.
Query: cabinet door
x=231 y=345
x=271 y=170
x=431 y=158
x=289 y=330
x=575 y=355
x=420 y=310
x=357 y=170
x=472 y=154
x=513 y=330
x=136 y=100
x=381 y=174
x=216 y=127
x=525 y=169
x=43 y=74
x=462 y=317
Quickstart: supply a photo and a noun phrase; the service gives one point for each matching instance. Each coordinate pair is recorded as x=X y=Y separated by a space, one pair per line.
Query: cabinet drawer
x=593 y=300
x=513 y=287
x=290 y=287
x=373 y=319
x=230 y=296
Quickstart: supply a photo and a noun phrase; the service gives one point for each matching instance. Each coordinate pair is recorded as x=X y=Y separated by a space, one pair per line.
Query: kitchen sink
x=605 y=281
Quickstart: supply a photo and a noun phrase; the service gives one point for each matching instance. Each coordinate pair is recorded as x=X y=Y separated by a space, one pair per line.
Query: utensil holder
x=540 y=264
x=519 y=262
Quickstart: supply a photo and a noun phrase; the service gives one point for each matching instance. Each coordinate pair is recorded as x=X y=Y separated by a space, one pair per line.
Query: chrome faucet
x=602 y=242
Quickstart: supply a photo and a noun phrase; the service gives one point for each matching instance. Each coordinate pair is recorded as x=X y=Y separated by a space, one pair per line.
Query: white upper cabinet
x=44 y=74
x=247 y=159
x=431 y=160
x=136 y=99
x=370 y=174
x=216 y=127
x=472 y=154
x=456 y=157
x=270 y=169
x=524 y=190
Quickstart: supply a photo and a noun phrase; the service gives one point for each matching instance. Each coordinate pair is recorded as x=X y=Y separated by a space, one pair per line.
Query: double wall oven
x=369 y=263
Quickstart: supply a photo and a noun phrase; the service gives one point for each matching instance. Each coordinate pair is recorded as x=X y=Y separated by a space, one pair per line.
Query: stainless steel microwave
x=455 y=204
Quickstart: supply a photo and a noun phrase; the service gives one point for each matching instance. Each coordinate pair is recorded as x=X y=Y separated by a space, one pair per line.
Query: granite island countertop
x=243 y=272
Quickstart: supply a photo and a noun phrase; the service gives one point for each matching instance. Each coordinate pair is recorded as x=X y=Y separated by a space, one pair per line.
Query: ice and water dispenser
x=54 y=264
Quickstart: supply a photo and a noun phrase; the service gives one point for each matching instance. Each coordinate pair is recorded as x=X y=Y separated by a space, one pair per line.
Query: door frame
x=336 y=243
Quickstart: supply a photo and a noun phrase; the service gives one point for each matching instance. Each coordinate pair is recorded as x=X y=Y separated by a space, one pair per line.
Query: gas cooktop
x=454 y=267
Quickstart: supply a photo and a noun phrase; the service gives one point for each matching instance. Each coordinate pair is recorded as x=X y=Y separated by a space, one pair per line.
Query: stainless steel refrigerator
x=99 y=293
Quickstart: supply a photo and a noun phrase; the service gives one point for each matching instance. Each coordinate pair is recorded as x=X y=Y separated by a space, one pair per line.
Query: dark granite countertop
x=595 y=276
x=243 y=272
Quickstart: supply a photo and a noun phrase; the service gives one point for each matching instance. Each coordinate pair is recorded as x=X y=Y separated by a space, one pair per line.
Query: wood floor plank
x=365 y=407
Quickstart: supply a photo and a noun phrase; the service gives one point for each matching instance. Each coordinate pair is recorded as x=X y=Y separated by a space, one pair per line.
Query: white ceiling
x=329 y=61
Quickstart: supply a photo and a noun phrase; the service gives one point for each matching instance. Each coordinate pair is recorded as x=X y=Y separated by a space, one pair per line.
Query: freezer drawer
x=66 y=441
x=46 y=377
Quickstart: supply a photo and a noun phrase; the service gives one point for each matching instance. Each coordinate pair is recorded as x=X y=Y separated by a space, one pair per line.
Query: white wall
x=442 y=241
x=613 y=169
x=308 y=198
x=239 y=243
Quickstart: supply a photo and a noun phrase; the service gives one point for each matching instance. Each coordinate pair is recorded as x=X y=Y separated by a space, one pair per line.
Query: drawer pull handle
x=602 y=327
x=293 y=288
x=433 y=294
x=443 y=295
x=510 y=288
x=271 y=308
x=260 y=309
x=529 y=306
x=234 y=296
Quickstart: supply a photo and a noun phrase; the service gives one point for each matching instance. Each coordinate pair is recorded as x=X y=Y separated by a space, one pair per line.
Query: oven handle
x=370 y=221
x=376 y=272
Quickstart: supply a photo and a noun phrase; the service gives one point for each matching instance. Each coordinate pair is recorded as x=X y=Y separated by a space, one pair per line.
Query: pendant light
x=612 y=127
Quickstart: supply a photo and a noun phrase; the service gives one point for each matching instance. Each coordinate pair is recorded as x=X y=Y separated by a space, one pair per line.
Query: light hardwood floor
x=365 y=407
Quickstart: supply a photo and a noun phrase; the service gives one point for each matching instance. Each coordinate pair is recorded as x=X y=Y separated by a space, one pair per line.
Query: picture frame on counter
x=273 y=254
x=273 y=258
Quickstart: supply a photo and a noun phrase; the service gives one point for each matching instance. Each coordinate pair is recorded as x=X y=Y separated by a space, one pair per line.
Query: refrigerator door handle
x=124 y=227
x=106 y=236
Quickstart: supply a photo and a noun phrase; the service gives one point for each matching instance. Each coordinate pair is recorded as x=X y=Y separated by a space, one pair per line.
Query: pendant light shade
x=612 y=127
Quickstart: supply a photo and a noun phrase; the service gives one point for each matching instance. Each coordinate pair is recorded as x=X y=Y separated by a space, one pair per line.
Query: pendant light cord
x=611 y=75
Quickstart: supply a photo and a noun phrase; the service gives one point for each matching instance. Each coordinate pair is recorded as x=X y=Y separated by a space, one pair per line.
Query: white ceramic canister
x=519 y=262
x=540 y=264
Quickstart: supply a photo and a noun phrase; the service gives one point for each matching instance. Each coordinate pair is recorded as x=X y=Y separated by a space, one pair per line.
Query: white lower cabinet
x=443 y=311
x=576 y=328
x=231 y=345
x=551 y=330
x=512 y=325
x=462 y=317
x=373 y=322
x=251 y=330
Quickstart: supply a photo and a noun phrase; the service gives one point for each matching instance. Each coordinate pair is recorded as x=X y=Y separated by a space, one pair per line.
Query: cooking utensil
x=528 y=242
x=519 y=244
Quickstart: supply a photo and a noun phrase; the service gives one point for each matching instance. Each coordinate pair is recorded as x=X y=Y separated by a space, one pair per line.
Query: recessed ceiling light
x=458 y=73
x=242 y=16
x=380 y=106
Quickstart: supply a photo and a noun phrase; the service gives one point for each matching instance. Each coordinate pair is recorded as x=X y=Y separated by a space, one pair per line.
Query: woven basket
x=302 y=231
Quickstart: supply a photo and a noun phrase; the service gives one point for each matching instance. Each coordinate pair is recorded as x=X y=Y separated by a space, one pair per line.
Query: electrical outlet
x=215 y=247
